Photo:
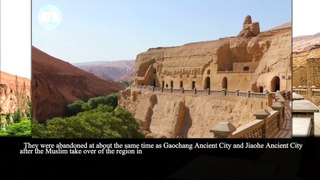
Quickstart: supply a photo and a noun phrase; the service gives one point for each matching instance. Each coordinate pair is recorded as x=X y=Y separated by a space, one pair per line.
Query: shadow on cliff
x=187 y=124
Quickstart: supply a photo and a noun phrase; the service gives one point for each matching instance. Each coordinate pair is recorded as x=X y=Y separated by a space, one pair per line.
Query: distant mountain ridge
x=306 y=42
x=56 y=83
x=118 y=71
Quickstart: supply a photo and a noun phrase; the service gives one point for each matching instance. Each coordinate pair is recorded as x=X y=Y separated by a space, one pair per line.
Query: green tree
x=39 y=130
x=16 y=117
x=111 y=100
x=22 y=128
x=76 y=107
x=96 y=101
x=128 y=127
x=29 y=108
x=101 y=122
x=3 y=132
x=8 y=118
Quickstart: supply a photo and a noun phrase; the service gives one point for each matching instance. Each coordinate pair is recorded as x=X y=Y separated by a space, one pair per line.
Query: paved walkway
x=286 y=127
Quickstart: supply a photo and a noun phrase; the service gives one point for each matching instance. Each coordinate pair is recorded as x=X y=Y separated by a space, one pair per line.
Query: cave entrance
x=193 y=85
x=171 y=84
x=224 y=83
x=260 y=89
x=163 y=84
x=207 y=83
x=181 y=84
x=275 y=84
x=154 y=83
x=246 y=68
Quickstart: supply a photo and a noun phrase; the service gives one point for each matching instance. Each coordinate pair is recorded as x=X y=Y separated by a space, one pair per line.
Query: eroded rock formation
x=249 y=29
x=14 y=93
x=187 y=116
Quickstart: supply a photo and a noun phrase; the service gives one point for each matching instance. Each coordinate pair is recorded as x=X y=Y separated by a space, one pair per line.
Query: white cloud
x=306 y=15
x=16 y=37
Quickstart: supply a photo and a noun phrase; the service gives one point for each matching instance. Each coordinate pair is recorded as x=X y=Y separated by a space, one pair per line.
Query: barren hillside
x=306 y=43
x=117 y=71
x=55 y=83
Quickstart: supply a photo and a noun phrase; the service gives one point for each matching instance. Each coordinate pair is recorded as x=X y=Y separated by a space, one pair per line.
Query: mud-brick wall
x=313 y=72
x=299 y=76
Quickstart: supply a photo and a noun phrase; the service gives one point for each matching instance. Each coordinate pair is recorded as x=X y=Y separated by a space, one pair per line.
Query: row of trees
x=81 y=106
x=99 y=117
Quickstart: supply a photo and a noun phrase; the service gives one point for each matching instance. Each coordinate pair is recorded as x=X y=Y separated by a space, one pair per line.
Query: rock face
x=306 y=43
x=249 y=29
x=302 y=65
x=56 y=83
x=14 y=93
x=305 y=48
x=179 y=116
x=251 y=63
x=117 y=71
x=306 y=65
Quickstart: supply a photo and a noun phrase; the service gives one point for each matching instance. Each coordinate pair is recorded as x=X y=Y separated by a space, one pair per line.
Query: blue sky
x=98 y=30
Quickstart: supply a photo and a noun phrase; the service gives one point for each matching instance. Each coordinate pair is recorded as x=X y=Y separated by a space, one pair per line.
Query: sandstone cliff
x=299 y=68
x=187 y=116
x=306 y=65
x=304 y=48
x=56 y=83
x=12 y=93
x=253 y=60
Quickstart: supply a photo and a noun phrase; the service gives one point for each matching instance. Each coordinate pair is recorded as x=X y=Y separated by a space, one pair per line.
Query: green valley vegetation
x=16 y=124
x=19 y=122
x=99 y=117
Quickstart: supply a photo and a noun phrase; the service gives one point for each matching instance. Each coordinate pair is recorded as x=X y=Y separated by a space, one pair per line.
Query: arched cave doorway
x=260 y=89
x=181 y=84
x=154 y=82
x=275 y=84
x=171 y=84
x=246 y=68
x=207 y=83
x=193 y=86
x=224 y=83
